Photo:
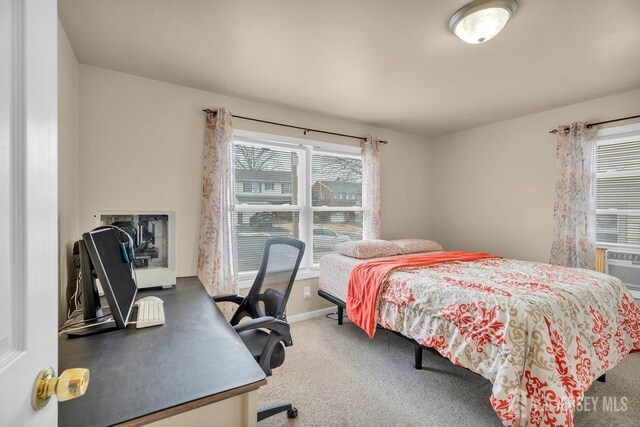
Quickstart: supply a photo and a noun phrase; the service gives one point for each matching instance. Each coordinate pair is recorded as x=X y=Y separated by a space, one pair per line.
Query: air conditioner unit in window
x=625 y=265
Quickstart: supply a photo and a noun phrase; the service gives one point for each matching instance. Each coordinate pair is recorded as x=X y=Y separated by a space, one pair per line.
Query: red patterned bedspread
x=541 y=334
x=366 y=278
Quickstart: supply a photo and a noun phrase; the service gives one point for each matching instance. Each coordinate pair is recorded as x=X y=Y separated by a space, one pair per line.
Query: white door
x=28 y=206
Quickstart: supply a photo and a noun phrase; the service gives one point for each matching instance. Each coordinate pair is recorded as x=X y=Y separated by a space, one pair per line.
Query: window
x=304 y=205
x=618 y=186
x=339 y=218
x=250 y=187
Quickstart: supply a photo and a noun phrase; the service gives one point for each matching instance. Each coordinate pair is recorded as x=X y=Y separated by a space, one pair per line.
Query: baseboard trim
x=635 y=294
x=310 y=314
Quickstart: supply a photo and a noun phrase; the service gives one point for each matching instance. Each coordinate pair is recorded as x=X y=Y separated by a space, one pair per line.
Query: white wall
x=492 y=187
x=485 y=189
x=141 y=144
x=68 y=164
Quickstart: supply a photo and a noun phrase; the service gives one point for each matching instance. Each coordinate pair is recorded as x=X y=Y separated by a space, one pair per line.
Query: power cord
x=330 y=316
x=68 y=328
x=65 y=328
x=73 y=292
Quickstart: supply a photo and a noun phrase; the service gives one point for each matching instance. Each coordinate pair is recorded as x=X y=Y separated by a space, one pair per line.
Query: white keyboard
x=150 y=312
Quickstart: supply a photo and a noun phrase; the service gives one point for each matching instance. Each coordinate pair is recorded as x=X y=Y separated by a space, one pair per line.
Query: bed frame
x=417 y=347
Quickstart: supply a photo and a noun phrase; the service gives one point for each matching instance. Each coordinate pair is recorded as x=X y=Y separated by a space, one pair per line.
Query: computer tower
x=154 y=237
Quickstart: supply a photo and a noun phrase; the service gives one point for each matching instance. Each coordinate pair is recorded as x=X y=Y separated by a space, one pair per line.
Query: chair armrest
x=267 y=322
x=259 y=322
x=236 y=299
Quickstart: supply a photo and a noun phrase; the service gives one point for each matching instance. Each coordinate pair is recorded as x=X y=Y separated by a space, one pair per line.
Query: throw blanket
x=540 y=333
x=366 y=278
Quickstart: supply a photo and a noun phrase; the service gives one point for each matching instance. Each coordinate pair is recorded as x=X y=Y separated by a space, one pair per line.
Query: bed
x=540 y=333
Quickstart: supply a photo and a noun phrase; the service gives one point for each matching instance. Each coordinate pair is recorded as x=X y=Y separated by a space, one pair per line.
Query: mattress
x=335 y=270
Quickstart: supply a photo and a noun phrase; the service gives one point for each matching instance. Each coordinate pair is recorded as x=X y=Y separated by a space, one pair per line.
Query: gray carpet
x=336 y=376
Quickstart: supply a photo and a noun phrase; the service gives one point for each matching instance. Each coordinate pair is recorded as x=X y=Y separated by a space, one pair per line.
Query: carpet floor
x=336 y=376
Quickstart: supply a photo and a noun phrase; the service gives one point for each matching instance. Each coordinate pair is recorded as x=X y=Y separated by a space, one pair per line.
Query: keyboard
x=150 y=312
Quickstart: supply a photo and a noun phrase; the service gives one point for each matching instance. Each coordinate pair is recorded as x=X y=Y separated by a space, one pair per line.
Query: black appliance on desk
x=106 y=253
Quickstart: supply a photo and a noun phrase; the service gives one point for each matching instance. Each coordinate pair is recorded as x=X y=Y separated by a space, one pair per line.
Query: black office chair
x=266 y=303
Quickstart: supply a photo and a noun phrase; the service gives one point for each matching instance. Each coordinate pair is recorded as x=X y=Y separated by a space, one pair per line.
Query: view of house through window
x=314 y=196
x=618 y=190
x=336 y=189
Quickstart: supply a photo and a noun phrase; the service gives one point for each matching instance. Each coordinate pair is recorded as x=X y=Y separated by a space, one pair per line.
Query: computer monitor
x=112 y=268
x=91 y=307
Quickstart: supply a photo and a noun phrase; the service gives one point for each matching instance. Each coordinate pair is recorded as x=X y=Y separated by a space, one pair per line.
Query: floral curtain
x=370 y=189
x=217 y=268
x=574 y=237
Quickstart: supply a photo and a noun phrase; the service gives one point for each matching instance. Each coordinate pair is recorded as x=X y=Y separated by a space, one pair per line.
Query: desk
x=140 y=376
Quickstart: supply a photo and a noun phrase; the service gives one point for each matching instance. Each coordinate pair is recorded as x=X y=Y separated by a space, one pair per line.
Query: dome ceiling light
x=482 y=20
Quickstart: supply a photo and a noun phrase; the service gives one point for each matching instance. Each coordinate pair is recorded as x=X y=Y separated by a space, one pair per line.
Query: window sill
x=246 y=280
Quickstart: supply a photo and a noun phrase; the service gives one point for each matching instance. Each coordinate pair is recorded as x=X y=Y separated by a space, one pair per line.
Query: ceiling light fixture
x=481 y=20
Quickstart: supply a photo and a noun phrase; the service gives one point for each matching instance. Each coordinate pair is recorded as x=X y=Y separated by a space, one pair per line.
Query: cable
x=75 y=312
x=65 y=330
x=135 y=274
x=328 y=316
x=83 y=321
x=73 y=292
x=133 y=251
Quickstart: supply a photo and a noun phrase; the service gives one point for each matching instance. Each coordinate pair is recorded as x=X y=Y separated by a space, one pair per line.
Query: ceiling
x=392 y=64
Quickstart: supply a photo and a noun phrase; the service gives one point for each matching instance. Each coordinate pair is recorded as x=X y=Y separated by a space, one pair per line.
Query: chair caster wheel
x=293 y=413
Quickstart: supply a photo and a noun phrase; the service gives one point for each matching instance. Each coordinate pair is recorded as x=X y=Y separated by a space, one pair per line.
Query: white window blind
x=618 y=190
x=296 y=191
x=261 y=213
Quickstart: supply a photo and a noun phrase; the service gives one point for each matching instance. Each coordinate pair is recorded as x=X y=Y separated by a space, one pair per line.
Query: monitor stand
x=89 y=329
x=92 y=327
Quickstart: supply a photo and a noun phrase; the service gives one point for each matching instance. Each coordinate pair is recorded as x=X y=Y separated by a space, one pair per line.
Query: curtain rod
x=566 y=128
x=306 y=130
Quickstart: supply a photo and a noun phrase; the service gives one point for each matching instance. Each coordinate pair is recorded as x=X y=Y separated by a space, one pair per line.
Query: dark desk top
x=195 y=355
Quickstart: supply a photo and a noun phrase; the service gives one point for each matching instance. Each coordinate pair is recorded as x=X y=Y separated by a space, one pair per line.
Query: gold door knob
x=70 y=384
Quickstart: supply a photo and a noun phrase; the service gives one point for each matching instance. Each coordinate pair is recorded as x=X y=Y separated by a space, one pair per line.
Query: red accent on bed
x=366 y=278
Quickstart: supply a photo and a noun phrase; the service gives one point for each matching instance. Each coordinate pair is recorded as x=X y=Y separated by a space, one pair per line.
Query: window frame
x=617 y=135
x=306 y=148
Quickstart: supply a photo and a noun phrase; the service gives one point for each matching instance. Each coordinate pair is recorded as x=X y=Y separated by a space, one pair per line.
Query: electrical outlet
x=307 y=292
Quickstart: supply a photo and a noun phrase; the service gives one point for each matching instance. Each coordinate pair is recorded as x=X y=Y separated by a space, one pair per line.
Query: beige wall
x=492 y=187
x=68 y=165
x=141 y=149
x=487 y=189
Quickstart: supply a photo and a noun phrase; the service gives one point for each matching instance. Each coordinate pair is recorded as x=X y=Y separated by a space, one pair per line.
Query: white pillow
x=364 y=249
x=412 y=246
